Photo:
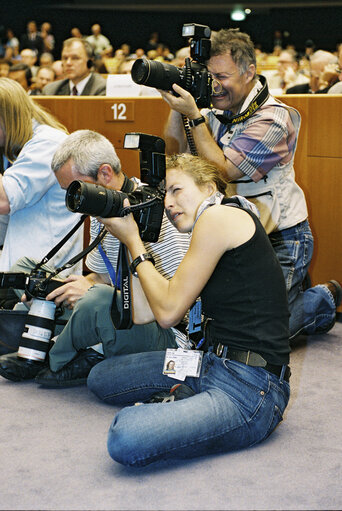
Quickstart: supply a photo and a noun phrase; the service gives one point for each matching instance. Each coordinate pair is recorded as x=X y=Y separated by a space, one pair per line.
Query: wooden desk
x=318 y=160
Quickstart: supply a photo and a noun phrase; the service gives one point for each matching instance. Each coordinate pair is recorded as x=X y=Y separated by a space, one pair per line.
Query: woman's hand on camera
x=184 y=103
x=123 y=228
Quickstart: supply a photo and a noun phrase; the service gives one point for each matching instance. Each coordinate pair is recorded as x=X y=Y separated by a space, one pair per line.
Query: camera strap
x=121 y=309
x=76 y=258
x=253 y=106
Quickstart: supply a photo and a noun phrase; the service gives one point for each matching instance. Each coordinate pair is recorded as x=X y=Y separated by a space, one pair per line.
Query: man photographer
x=88 y=156
x=251 y=138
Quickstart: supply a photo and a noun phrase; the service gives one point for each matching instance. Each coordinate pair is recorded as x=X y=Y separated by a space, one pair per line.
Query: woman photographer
x=242 y=389
x=29 y=192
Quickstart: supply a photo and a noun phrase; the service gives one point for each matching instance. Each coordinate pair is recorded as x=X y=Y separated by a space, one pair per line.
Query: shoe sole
x=63 y=384
x=10 y=377
x=338 y=292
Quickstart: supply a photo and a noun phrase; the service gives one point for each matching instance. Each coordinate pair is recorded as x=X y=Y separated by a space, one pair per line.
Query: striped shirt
x=167 y=253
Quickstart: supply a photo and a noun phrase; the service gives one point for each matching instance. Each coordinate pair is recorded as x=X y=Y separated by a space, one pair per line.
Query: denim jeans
x=91 y=323
x=235 y=406
x=312 y=310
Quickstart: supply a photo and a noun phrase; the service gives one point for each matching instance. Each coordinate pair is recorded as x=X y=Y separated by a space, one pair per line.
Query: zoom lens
x=156 y=74
x=93 y=200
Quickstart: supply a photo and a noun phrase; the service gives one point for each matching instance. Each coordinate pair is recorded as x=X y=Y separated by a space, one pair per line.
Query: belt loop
x=282 y=374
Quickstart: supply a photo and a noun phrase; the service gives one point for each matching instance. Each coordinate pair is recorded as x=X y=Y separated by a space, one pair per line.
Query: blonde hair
x=202 y=171
x=17 y=111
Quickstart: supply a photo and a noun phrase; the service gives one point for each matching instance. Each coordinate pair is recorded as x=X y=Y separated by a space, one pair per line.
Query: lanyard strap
x=121 y=309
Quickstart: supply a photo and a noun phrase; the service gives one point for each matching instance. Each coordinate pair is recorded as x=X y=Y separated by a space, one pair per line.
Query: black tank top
x=246 y=298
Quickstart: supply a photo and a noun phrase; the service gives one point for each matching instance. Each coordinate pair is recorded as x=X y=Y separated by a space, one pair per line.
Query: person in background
x=31 y=39
x=79 y=79
x=5 y=66
x=46 y=59
x=21 y=73
x=337 y=87
x=98 y=41
x=47 y=36
x=29 y=58
x=44 y=76
x=318 y=61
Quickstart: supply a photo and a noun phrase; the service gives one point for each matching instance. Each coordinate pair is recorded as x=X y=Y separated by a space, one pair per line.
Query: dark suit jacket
x=36 y=44
x=96 y=86
x=304 y=88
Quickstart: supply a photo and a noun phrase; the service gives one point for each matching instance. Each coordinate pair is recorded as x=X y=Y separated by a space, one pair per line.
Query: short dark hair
x=23 y=67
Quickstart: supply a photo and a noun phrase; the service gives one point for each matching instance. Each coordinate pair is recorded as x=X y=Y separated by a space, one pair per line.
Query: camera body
x=146 y=201
x=36 y=284
x=193 y=77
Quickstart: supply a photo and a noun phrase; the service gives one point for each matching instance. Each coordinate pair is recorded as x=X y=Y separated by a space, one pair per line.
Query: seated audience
x=29 y=58
x=79 y=79
x=337 y=87
x=98 y=41
x=88 y=156
x=46 y=59
x=21 y=73
x=29 y=192
x=318 y=61
x=5 y=66
x=231 y=394
x=44 y=76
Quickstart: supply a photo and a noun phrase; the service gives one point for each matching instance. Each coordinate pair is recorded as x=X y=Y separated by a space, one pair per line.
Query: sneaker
x=73 y=373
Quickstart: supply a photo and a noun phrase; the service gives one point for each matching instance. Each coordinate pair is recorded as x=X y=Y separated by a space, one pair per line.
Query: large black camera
x=193 y=77
x=146 y=201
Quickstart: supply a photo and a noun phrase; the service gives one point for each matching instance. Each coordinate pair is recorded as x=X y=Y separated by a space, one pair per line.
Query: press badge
x=180 y=363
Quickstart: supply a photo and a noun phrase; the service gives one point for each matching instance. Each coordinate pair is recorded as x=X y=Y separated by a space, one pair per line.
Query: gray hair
x=88 y=150
x=237 y=43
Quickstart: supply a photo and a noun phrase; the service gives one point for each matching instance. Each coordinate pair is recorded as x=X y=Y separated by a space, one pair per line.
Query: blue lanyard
x=108 y=264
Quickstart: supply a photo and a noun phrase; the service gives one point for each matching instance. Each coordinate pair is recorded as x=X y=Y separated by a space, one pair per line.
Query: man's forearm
x=174 y=134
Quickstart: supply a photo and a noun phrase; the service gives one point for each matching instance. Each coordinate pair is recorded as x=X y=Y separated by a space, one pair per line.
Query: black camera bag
x=12 y=324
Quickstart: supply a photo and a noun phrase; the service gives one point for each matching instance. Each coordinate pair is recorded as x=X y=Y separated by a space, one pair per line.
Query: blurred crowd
x=31 y=60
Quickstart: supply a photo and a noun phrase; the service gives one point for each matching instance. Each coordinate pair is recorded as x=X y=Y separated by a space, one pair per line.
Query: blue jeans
x=312 y=310
x=91 y=323
x=235 y=406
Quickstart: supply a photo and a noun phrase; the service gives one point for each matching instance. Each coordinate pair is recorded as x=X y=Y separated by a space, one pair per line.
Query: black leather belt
x=250 y=358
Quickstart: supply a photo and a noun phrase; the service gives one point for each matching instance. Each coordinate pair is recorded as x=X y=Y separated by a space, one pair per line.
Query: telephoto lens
x=157 y=74
x=38 y=330
x=93 y=200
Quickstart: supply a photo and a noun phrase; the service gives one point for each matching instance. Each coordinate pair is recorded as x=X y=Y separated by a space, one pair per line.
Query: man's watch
x=138 y=260
x=196 y=122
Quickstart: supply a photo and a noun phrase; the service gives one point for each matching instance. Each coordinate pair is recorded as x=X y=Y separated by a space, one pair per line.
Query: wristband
x=196 y=122
x=138 y=260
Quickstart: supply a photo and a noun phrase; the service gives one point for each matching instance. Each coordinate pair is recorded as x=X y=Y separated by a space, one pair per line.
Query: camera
x=193 y=77
x=146 y=201
x=40 y=322
x=35 y=284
